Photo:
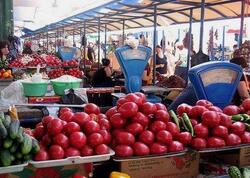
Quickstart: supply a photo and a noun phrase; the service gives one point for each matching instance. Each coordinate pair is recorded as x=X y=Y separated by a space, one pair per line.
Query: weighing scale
x=66 y=53
x=216 y=81
x=133 y=63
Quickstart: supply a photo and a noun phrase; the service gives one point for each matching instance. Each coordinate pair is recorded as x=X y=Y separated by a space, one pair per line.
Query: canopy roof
x=140 y=13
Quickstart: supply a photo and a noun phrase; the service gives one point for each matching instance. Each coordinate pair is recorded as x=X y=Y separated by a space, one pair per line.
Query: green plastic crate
x=35 y=89
x=60 y=87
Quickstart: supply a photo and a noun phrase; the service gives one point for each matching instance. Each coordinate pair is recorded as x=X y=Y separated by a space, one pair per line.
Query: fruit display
x=52 y=61
x=17 y=147
x=73 y=134
x=141 y=128
x=5 y=74
x=75 y=72
x=71 y=63
x=213 y=127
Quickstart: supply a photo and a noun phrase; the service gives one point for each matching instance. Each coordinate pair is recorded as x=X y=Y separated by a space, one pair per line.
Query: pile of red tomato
x=55 y=73
x=73 y=134
x=53 y=61
x=71 y=63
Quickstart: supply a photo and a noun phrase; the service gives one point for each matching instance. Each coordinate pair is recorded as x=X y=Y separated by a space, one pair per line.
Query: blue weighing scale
x=133 y=63
x=66 y=53
x=216 y=81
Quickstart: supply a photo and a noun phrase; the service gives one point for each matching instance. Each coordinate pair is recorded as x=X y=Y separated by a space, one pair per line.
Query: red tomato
x=140 y=149
x=61 y=140
x=225 y=120
x=121 y=101
x=197 y=111
x=194 y=122
x=91 y=127
x=164 y=137
x=106 y=136
x=175 y=146
x=46 y=120
x=67 y=116
x=81 y=118
x=93 y=117
x=183 y=108
x=214 y=108
x=63 y=123
x=54 y=127
x=185 y=138
x=76 y=175
x=233 y=139
x=39 y=132
x=220 y=131
x=142 y=96
x=156 y=126
x=148 y=108
x=160 y=106
x=134 y=98
x=92 y=108
x=117 y=121
x=147 y=137
x=134 y=128
x=104 y=124
x=56 y=152
x=77 y=139
x=246 y=104
x=95 y=139
x=111 y=112
x=115 y=132
x=231 y=110
x=201 y=131
x=141 y=119
x=101 y=116
x=245 y=137
x=123 y=151
x=86 y=150
x=63 y=110
x=199 y=143
x=42 y=155
x=46 y=140
x=157 y=148
x=215 y=142
x=204 y=103
x=71 y=127
x=173 y=129
x=238 y=128
x=128 y=109
x=102 y=149
x=210 y=119
x=162 y=115
x=125 y=138
x=70 y=152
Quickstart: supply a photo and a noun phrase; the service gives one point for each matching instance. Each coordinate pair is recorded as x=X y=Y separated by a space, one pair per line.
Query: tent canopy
x=140 y=13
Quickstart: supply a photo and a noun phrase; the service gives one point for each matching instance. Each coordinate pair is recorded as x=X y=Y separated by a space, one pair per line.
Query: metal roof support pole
x=123 y=32
x=98 y=41
x=223 y=43
x=154 y=43
x=63 y=37
x=84 y=45
x=74 y=37
x=242 y=21
x=189 y=41
x=202 y=23
x=105 y=41
x=47 y=36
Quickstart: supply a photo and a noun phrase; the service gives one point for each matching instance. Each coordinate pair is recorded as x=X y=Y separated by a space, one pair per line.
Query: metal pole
x=84 y=45
x=154 y=43
x=202 y=23
x=123 y=32
x=242 y=21
x=98 y=43
x=189 y=42
x=47 y=38
x=63 y=37
x=74 y=37
x=223 y=44
x=105 y=41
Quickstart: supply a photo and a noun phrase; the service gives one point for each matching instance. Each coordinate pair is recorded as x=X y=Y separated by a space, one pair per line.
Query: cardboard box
x=186 y=166
x=51 y=172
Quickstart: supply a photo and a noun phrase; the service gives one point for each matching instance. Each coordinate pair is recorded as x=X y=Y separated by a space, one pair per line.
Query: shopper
x=181 y=55
x=4 y=51
x=147 y=76
x=188 y=95
x=103 y=76
x=91 y=52
x=143 y=41
x=161 y=61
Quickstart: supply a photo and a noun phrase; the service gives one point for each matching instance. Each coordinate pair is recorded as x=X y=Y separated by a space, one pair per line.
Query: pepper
x=174 y=117
x=246 y=117
x=118 y=175
x=188 y=123
x=237 y=117
x=184 y=124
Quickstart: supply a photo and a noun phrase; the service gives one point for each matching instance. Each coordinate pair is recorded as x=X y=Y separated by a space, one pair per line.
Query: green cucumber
x=184 y=124
x=26 y=145
x=12 y=158
x=14 y=126
x=5 y=157
x=7 y=143
x=19 y=136
x=3 y=130
x=19 y=155
x=175 y=118
x=35 y=146
x=27 y=157
x=188 y=123
x=14 y=147
x=234 y=172
x=1 y=115
x=237 y=117
x=6 y=121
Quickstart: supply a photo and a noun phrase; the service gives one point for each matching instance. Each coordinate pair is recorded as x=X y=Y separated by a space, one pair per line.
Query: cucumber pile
x=16 y=147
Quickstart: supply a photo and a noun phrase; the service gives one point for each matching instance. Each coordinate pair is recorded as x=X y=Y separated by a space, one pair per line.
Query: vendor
x=188 y=95
x=4 y=51
x=161 y=61
x=103 y=76
x=147 y=76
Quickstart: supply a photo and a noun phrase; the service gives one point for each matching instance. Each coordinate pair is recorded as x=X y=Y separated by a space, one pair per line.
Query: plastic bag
x=13 y=94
